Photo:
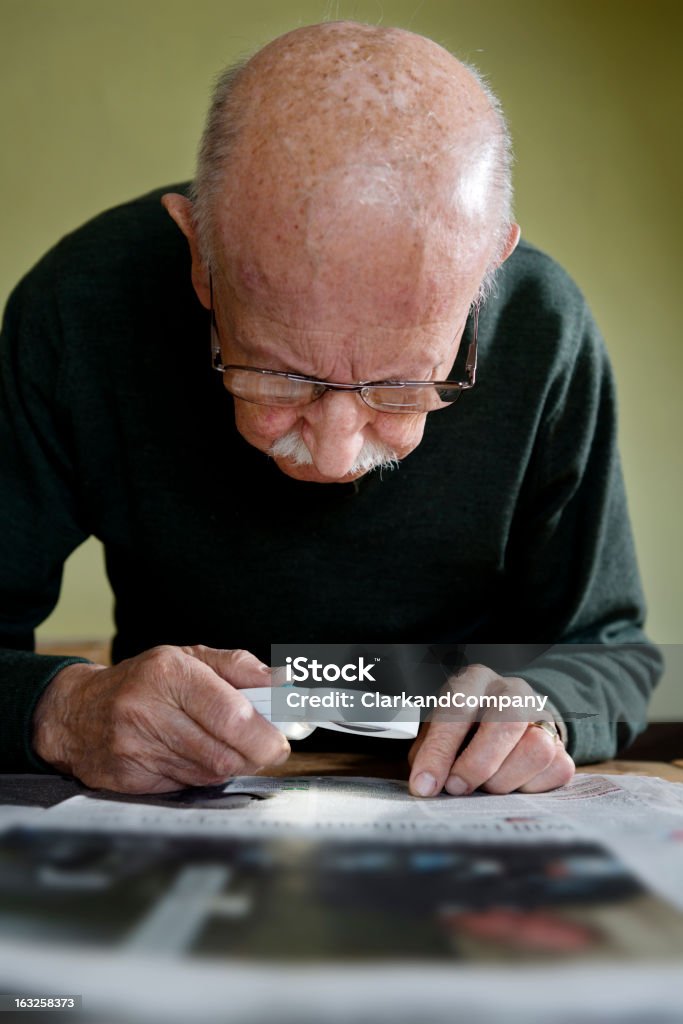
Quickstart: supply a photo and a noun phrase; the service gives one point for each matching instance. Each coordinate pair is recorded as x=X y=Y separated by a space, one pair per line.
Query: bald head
x=342 y=144
x=351 y=201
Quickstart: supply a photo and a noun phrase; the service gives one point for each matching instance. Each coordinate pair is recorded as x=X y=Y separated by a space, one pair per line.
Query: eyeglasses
x=275 y=387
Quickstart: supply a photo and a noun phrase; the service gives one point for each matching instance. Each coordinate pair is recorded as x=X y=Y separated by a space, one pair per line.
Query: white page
x=336 y=806
x=639 y=819
x=147 y=988
x=362 y=806
x=18 y=814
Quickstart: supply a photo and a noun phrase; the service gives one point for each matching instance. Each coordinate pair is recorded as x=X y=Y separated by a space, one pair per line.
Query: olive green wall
x=101 y=101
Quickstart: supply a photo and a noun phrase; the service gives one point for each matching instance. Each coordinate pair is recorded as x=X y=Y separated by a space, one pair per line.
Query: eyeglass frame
x=470 y=368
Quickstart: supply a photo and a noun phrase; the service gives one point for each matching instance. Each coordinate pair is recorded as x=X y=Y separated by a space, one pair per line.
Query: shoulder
x=534 y=284
x=538 y=313
x=117 y=267
x=541 y=353
x=133 y=237
x=119 y=279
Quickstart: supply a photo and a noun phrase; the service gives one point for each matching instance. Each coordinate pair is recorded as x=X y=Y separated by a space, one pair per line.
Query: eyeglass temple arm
x=216 y=354
x=471 y=361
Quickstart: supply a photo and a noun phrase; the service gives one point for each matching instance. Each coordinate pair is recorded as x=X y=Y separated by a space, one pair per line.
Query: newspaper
x=18 y=814
x=322 y=899
x=145 y=990
x=638 y=818
x=249 y=806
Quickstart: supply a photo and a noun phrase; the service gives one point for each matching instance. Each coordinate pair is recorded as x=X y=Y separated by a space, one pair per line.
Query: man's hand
x=169 y=718
x=502 y=756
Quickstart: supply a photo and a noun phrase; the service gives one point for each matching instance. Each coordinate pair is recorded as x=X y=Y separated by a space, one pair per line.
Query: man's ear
x=511 y=243
x=180 y=209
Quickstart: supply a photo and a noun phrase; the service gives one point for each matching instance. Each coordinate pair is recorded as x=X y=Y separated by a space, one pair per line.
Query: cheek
x=403 y=433
x=262 y=424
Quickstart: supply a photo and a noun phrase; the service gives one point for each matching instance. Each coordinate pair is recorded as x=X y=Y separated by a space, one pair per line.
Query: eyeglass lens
x=271 y=389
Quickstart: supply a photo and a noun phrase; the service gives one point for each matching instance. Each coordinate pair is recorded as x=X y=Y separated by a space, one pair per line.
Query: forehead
x=347 y=350
x=345 y=288
x=343 y=254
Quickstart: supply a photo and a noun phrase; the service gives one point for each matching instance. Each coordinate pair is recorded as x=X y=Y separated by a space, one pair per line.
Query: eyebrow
x=296 y=371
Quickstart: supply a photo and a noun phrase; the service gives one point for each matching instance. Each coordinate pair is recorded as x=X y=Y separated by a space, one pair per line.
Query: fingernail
x=424 y=784
x=278 y=675
x=456 y=786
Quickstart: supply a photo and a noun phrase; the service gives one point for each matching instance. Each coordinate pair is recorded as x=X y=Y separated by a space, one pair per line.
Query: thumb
x=239 y=668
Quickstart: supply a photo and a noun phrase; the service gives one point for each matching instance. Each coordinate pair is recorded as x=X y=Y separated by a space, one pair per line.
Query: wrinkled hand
x=168 y=718
x=502 y=756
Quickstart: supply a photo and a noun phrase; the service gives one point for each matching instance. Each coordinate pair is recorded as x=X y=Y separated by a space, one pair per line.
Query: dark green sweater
x=508 y=523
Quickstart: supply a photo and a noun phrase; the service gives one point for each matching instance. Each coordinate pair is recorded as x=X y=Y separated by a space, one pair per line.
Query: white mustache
x=372 y=455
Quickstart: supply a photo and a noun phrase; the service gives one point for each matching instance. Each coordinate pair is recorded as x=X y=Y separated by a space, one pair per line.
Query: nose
x=333 y=431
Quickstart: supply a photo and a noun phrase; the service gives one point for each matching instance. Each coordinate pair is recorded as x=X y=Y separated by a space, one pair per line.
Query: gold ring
x=548 y=727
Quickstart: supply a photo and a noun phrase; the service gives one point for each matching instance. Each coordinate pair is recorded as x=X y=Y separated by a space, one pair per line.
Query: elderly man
x=351 y=208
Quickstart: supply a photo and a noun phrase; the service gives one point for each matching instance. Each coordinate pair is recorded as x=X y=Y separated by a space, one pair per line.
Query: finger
x=167 y=773
x=145 y=770
x=422 y=735
x=435 y=755
x=225 y=714
x=186 y=773
x=482 y=758
x=160 y=742
x=176 y=740
x=559 y=773
x=535 y=751
x=158 y=772
x=434 y=751
x=417 y=743
x=240 y=668
x=278 y=675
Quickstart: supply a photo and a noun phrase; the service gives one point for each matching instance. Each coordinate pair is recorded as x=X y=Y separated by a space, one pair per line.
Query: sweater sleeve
x=40 y=523
x=573 y=578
